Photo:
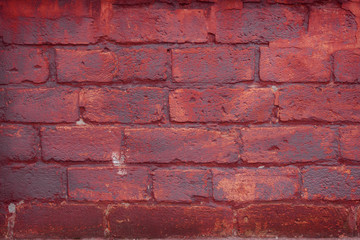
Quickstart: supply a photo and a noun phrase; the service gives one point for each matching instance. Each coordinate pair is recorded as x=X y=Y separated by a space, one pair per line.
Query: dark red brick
x=62 y=30
x=181 y=185
x=142 y=64
x=3 y=222
x=85 y=66
x=168 y=145
x=51 y=220
x=158 y=25
x=331 y=183
x=332 y=24
x=349 y=142
x=170 y=221
x=23 y=64
x=249 y=184
x=136 y=105
x=221 y=105
x=289 y=220
x=32 y=182
x=18 y=142
x=132 y=2
x=294 y=65
x=41 y=105
x=104 y=183
x=214 y=65
x=288 y=144
x=62 y=143
x=347 y=66
x=331 y=103
x=260 y=24
x=291 y=1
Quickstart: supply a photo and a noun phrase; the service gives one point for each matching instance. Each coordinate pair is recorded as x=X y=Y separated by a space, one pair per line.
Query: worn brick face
x=338 y=103
x=23 y=64
x=349 y=142
x=180 y=145
x=59 y=221
x=113 y=184
x=249 y=184
x=137 y=105
x=221 y=105
x=288 y=144
x=347 y=66
x=170 y=221
x=18 y=142
x=293 y=220
x=331 y=183
x=214 y=65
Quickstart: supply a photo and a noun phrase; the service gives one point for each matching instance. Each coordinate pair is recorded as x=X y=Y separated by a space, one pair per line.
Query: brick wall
x=144 y=118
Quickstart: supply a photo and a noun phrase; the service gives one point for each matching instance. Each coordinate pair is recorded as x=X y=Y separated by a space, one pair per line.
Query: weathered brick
x=349 y=142
x=260 y=24
x=158 y=25
x=3 y=223
x=249 y=184
x=331 y=183
x=41 y=104
x=58 y=221
x=108 y=183
x=35 y=30
x=63 y=143
x=221 y=105
x=294 y=65
x=185 y=145
x=332 y=25
x=347 y=66
x=131 y=2
x=214 y=65
x=166 y=221
x=338 y=103
x=85 y=66
x=142 y=64
x=291 y=1
x=289 y=220
x=32 y=182
x=18 y=142
x=23 y=64
x=181 y=185
x=136 y=105
x=288 y=144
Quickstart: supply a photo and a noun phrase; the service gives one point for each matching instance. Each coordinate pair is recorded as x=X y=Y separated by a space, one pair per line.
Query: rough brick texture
x=179 y=119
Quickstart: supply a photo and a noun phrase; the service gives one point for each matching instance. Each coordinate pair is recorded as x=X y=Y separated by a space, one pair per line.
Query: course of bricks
x=179 y=118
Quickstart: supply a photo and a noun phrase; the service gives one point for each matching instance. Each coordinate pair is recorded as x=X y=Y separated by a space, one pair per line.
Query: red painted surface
x=179 y=118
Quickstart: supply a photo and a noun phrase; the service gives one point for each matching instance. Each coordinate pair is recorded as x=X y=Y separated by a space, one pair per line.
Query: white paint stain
x=11 y=218
x=80 y=122
x=274 y=88
x=118 y=161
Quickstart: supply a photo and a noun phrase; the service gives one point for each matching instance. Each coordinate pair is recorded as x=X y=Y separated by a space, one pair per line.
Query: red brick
x=35 y=30
x=158 y=25
x=63 y=143
x=32 y=182
x=349 y=142
x=41 y=105
x=59 y=221
x=259 y=24
x=137 y=105
x=294 y=65
x=331 y=103
x=221 y=105
x=18 y=142
x=289 y=220
x=181 y=185
x=347 y=66
x=331 y=183
x=3 y=223
x=214 y=65
x=288 y=144
x=185 y=145
x=23 y=64
x=249 y=184
x=143 y=64
x=169 y=221
x=85 y=66
x=104 y=183
x=132 y=2
x=332 y=25
x=291 y=1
